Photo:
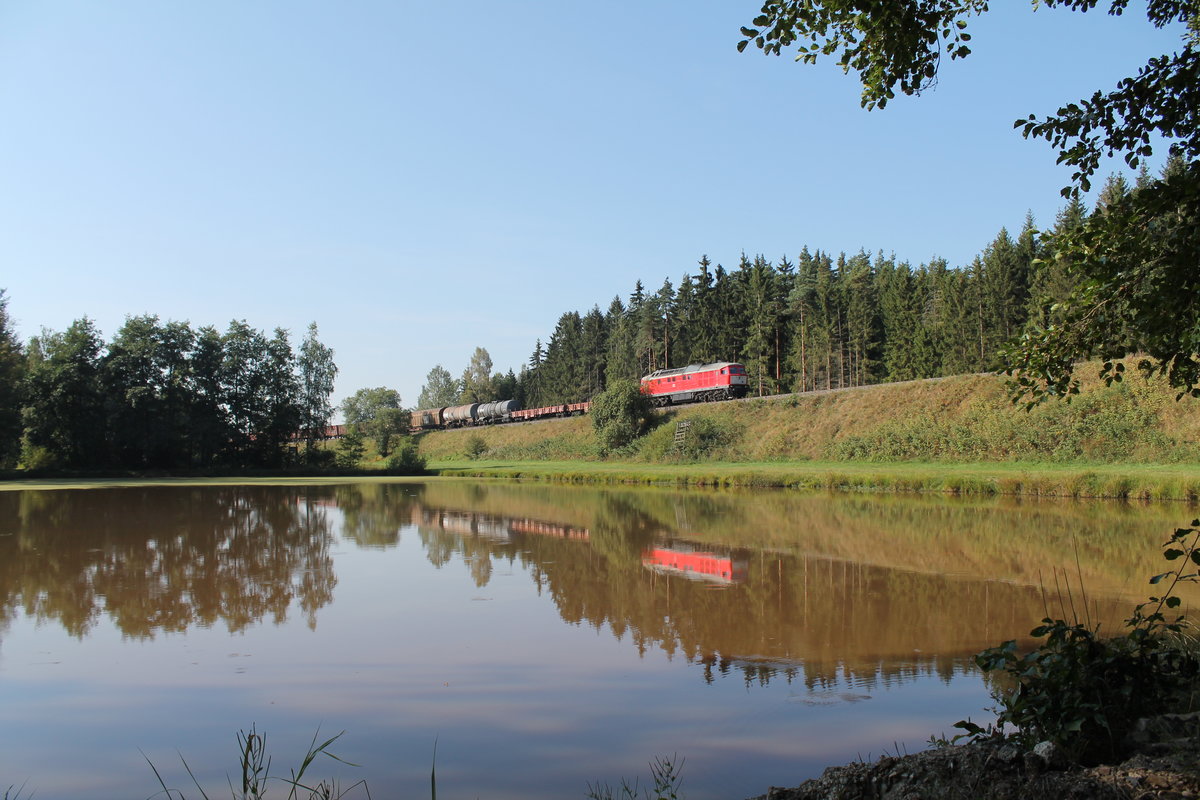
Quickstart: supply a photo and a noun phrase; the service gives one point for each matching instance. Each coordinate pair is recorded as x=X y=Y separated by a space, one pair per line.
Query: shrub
x=620 y=414
x=1084 y=692
x=406 y=460
x=702 y=437
x=475 y=446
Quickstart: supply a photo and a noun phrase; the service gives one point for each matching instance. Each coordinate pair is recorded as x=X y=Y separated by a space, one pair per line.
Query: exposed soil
x=1163 y=761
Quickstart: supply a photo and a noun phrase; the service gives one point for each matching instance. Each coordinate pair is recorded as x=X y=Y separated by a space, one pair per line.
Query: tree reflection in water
x=162 y=559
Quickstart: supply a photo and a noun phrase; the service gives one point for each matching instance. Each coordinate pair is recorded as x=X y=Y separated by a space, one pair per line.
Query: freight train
x=697 y=383
x=488 y=414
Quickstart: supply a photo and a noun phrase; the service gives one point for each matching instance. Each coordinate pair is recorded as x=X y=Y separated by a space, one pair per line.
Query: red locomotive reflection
x=696 y=565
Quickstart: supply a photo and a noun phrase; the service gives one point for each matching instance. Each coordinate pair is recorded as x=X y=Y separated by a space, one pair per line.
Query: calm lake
x=544 y=637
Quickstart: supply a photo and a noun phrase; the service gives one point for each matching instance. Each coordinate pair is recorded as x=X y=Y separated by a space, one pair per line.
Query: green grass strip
x=1139 y=481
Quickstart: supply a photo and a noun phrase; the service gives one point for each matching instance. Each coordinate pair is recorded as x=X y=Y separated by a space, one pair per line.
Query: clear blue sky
x=421 y=178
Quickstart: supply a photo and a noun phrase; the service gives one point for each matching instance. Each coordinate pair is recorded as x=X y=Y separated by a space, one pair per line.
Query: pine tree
x=621 y=362
x=1051 y=280
x=762 y=311
x=594 y=353
x=1004 y=292
x=704 y=346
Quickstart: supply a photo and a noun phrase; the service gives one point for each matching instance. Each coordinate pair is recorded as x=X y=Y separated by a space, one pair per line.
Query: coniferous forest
x=819 y=320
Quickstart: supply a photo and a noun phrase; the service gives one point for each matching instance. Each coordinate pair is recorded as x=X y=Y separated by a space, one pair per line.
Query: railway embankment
x=957 y=435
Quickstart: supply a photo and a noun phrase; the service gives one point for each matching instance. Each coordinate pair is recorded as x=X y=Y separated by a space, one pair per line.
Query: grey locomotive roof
x=663 y=373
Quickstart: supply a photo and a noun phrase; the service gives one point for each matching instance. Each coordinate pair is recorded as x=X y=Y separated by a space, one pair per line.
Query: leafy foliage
x=475 y=446
x=1134 y=269
x=440 y=389
x=888 y=42
x=1082 y=691
x=317 y=372
x=406 y=460
x=376 y=413
x=620 y=414
x=476 y=385
x=64 y=417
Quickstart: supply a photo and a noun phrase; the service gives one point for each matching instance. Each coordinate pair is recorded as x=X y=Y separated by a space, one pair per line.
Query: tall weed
x=256 y=778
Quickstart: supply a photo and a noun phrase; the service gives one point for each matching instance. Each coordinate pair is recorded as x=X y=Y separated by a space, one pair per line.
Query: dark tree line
x=160 y=396
x=821 y=321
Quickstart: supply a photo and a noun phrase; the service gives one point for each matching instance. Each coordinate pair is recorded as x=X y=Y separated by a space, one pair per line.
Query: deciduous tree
x=476 y=384
x=64 y=414
x=317 y=373
x=620 y=414
x=440 y=389
x=377 y=413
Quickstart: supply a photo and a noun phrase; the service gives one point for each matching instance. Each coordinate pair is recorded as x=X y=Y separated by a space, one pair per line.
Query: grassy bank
x=959 y=435
x=1136 y=482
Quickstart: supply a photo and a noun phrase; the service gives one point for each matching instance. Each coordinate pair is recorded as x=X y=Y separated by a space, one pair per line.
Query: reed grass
x=665 y=782
x=256 y=778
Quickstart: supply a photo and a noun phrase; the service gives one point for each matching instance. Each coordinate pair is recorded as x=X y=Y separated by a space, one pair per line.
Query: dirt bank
x=1163 y=761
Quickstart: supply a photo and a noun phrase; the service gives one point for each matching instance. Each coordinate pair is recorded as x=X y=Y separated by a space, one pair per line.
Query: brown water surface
x=544 y=636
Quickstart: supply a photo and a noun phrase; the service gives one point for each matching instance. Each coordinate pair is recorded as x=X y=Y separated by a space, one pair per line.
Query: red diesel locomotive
x=696 y=383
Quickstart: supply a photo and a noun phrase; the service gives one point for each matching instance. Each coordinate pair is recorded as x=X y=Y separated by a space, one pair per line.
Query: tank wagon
x=497 y=410
x=460 y=416
x=696 y=383
x=493 y=413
